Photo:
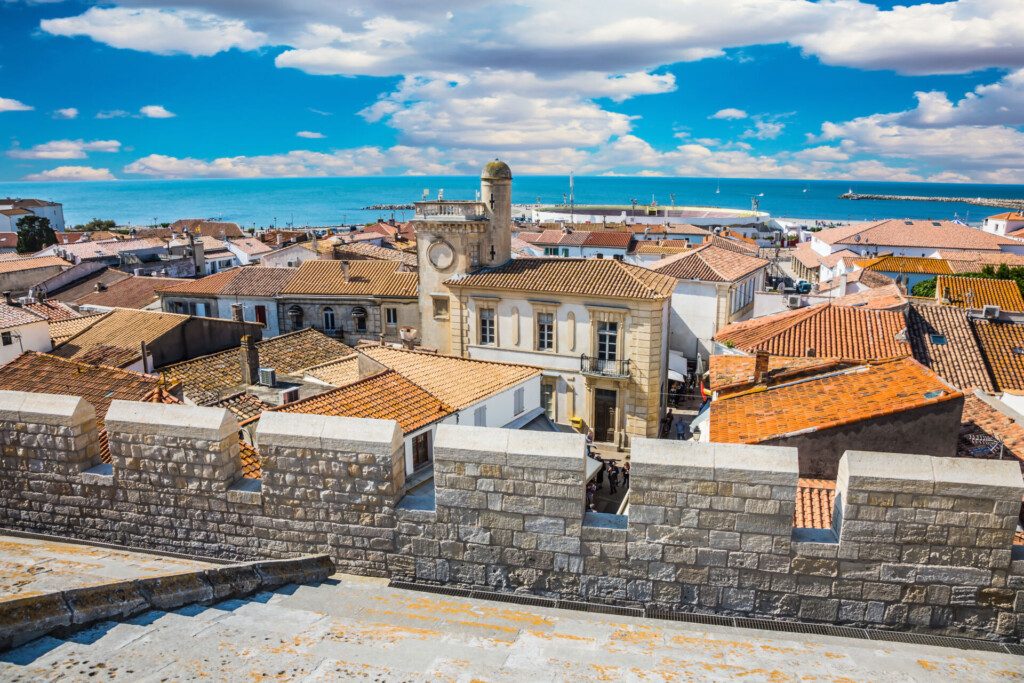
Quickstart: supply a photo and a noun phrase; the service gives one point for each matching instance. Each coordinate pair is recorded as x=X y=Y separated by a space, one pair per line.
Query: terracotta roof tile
x=115 y=338
x=730 y=372
x=584 y=277
x=888 y=298
x=15 y=316
x=833 y=259
x=840 y=331
x=256 y=281
x=978 y=292
x=981 y=423
x=62 y=330
x=357 y=251
x=387 y=396
x=1002 y=344
x=251 y=246
x=805 y=254
x=365 y=278
x=245 y=406
x=709 y=263
x=829 y=400
x=907 y=264
x=251 y=461
x=52 y=310
x=337 y=372
x=130 y=292
x=815 y=500
x=868 y=278
x=88 y=284
x=943 y=339
x=609 y=239
x=207 y=379
x=914 y=234
x=206 y=228
x=31 y=263
x=458 y=382
x=664 y=247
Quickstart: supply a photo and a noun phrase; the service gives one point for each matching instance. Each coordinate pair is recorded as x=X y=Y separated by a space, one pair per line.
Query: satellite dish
x=856 y=238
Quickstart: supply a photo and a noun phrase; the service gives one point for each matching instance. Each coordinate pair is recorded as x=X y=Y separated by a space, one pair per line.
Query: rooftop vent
x=289 y=395
x=268 y=377
x=990 y=312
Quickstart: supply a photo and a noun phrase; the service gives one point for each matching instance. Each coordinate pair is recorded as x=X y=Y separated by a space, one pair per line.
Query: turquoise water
x=332 y=201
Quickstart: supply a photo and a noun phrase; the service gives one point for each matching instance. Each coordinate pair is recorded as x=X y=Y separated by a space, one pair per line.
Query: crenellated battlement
x=918 y=542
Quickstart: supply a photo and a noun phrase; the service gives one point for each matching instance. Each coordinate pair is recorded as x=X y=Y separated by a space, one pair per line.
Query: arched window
x=359 y=317
x=295 y=317
x=329 y=319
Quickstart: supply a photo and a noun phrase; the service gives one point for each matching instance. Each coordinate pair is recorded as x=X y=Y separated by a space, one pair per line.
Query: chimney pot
x=8 y=299
x=344 y=270
x=236 y=313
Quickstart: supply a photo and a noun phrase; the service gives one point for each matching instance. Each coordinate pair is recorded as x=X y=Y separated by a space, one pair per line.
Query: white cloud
x=1000 y=103
x=311 y=135
x=112 y=114
x=162 y=31
x=73 y=173
x=66 y=149
x=156 y=111
x=66 y=113
x=822 y=153
x=764 y=130
x=729 y=113
x=7 y=104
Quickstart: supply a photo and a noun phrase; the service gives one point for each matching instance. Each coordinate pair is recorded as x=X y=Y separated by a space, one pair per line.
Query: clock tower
x=459 y=237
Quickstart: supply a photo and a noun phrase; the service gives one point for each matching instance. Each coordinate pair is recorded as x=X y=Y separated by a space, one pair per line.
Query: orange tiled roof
x=729 y=372
x=336 y=372
x=661 y=247
x=967 y=262
x=251 y=461
x=907 y=264
x=131 y=292
x=386 y=396
x=257 y=281
x=114 y=339
x=1002 y=344
x=31 y=263
x=827 y=329
x=833 y=259
x=458 y=382
x=365 y=278
x=13 y=316
x=914 y=234
x=1008 y=216
x=815 y=500
x=709 y=263
x=942 y=338
x=868 y=278
x=206 y=228
x=62 y=330
x=829 y=400
x=584 y=277
x=362 y=250
x=805 y=254
x=244 y=406
x=978 y=292
x=983 y=420
x=52 y=310
x=888 y=298
x=610 y=239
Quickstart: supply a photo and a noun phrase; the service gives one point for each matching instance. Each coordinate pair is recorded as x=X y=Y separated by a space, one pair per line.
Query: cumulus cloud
x=729 y=113
x=764 y=130
x=311 y=135
x=73 y=173
x=162 y=31
x=156 y=111
x=66 y=113
x=112 y=114
x=7 y=104
x=66 y=149
x=1000 y=103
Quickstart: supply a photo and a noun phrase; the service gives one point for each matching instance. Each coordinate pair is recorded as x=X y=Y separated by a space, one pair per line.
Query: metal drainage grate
x=691 y=617
x=431 y=588
x=1014 y=648
x=801 y=627
x=936 y=641
x=514 y=598
x=603 y=609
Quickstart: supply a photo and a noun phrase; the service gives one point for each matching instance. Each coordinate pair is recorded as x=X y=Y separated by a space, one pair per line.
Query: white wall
x=33 y=337
x=289 y=256
x=272 y=329
x=693 y=319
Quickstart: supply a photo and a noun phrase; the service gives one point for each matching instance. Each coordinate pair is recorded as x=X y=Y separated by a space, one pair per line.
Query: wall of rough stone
x=919 y=543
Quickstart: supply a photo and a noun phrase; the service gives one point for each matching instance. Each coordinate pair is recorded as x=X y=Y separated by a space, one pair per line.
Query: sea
x=286 y=202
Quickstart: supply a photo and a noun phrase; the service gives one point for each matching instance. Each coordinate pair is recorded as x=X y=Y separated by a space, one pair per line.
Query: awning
x=675 y=376
x=592 y=467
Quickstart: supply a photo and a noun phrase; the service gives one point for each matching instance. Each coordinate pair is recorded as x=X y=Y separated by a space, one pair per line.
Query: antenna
x=572 y=199
x=440 y=194
x=672 y=198
x=426 y=193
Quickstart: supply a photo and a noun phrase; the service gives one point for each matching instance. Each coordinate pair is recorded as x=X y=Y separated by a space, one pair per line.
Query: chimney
x=842 y=284
x=811 y=352
x=8 y=299
x=250 y=361
x=236 y=313
x=100 y=287
x=344 y=270
x=280 y=239
x=760 y=367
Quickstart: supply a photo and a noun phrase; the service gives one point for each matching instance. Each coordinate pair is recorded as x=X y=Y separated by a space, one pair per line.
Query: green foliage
x=34 y=233
x=925 y=288
x=95 y=224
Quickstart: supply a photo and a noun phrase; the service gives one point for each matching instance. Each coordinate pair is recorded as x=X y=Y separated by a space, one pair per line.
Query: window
x=474 y=255
x=480 y=417
x=440 y=308
x=295 y=317
x=6 y=339
x=547 y=398
x=551 y=251
x=261 y=314
x=359 y=317
x=487 y=336
x=519 y=400
x=937 y=339
x=329 y=319
x=545 y=331
x=607 y=340
x=421 y=450
x=391 y=317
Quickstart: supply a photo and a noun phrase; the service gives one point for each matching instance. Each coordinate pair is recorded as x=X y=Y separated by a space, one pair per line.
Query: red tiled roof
x=365 y=278
x=914 y=234
x=943 y=339
x=131 y=292
x=732 y=373
x=52 y=310
x=980 y=419
x=827 y=329
x=907 y=264
x=815 y=500
x=14 y=316
x=826 y=401
x=978 y=292
x=709 y=263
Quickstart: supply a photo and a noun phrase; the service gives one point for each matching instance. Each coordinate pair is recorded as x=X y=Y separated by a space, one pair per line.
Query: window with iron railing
x=607 y=340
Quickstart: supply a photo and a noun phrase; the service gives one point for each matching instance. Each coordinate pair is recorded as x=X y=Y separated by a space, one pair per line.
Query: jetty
x=1016 y=204
x=389 y=207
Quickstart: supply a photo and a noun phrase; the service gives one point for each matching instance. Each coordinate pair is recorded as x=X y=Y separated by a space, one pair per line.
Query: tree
x=926 y=288
x=34 y=233
x=96 y=224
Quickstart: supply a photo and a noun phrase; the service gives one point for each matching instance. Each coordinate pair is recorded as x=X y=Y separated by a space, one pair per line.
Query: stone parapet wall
x=919 y=543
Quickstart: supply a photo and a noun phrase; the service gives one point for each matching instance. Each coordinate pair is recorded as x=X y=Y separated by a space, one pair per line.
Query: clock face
x=441 y=255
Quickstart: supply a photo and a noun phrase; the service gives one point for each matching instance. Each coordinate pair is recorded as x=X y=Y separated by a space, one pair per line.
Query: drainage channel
x=719 y=620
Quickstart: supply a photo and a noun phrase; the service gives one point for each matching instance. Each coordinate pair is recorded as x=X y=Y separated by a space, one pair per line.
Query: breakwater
x=1015 y=204
x=389 y=207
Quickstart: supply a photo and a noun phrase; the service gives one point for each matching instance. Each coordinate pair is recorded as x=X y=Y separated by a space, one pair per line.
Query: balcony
x=599 y=367
x=451 y=210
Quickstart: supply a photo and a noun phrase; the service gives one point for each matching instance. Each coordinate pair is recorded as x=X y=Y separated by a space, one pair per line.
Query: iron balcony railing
x=592 y=365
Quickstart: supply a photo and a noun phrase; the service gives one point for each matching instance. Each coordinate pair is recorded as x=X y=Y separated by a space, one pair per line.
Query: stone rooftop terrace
x=358 y=628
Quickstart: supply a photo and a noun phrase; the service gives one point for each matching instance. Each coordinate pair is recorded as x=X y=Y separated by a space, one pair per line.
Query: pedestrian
x=590 y=441
x=613 y=476
x=666 y=423
x=680 y=428
x=591 y=490
x=625 y=476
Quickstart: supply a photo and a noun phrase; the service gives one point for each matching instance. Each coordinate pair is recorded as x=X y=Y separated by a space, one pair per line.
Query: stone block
x=998 y=480
x=673 y=460
x=455 y=443
x=45 y=409
x=190 y=423
x=526 y=448
x=886 y=472
x=755 y=464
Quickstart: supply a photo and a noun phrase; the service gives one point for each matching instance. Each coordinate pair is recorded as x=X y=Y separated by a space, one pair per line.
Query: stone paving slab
x=358 y=628
x=29 y=566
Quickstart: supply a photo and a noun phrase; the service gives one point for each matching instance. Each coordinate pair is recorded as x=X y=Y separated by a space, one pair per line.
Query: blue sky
x=733 y=88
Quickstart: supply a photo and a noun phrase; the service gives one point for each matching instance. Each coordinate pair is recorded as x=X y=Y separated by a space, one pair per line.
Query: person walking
x=680 y=428
x=613 y=475
x=625 y=476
